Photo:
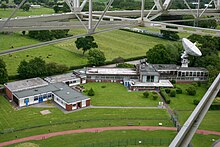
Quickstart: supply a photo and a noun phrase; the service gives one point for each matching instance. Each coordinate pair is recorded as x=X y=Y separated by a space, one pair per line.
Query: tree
x=34 y=68
x=91 y=92
x=54 y=68
x=173 y=93
x=4 y=5
x=191 y=90
x=146 y=94
x=56 y=8
x=96 y=57
x=26 y=7
x=170 y=35
x=158 y=55
x=3 y=72
x=118 y=60
x=86 y=43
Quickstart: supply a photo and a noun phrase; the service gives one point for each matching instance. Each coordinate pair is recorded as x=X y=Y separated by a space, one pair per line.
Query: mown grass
x=184 y=101
x=115 y=94
x=6 y=13
x=113 y=44
x=123 y=137
x=183 y=106
x=31 y=117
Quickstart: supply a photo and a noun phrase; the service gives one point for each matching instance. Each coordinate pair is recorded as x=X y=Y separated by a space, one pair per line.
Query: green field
x=113 y=44
x=6 y=13
x=183 y=105
x=185 y=101
x=123 y=137
x=115 y=94
x=58 y=121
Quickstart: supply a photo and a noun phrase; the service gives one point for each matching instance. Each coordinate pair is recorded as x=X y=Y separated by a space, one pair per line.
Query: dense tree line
x=47 y=35
x=37 y=67
x=3 y=72
x=209 y=46
x=164 y=54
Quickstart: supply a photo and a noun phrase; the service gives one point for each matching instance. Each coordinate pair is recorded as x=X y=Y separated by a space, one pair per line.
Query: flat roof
x=110 y=71
x=161 y=83
x=68 y=94
x=26 y=84
x=35 y=91
x=61 y=78
x=166 y=66
x=193 y=69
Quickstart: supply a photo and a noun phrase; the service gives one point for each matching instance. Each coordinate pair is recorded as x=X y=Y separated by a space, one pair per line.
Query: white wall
x=31 y=100
x=83 y=103
x=59 y=101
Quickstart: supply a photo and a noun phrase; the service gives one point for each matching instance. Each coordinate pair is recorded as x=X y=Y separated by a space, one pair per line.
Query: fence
x=128 y=142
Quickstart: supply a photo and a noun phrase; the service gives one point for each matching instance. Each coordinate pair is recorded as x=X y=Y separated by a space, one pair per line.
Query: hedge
x=165 y=96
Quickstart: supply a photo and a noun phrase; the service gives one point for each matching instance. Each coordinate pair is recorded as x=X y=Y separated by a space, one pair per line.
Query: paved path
x=124 y=107
x=44 y=136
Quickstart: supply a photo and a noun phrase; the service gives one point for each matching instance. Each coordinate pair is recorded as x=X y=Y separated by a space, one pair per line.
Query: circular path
x=146 y=128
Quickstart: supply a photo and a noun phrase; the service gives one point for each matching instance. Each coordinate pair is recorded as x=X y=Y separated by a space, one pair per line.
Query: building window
x=194 y=73
x=49 y=95
x=36 y=98
x=45 y=96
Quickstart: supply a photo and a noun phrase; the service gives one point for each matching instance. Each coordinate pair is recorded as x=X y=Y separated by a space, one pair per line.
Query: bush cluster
x=191 y=90
x=165 y=96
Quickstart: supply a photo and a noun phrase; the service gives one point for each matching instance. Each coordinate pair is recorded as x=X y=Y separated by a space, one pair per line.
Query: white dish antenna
x=190 y=49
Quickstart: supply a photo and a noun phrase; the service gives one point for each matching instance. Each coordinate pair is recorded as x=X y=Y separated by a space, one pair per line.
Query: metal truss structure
x=111 y=20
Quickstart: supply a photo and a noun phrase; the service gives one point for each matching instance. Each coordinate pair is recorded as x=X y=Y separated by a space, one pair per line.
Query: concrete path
x=124 y=107
x=145 y=128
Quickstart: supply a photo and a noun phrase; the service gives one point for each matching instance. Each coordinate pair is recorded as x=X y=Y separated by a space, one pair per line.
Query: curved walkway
x=145 y=128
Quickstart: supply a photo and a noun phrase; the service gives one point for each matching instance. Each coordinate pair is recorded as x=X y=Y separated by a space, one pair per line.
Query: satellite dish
x=190 y=49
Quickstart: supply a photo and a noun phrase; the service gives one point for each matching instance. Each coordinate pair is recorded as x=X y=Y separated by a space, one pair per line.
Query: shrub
x=173 y=81
x=195 y=84
x=195 y=101
x=165 y=96
x=155 y=97
x=91 y=92
x=146 y=94
x=103 y=86
x=173 y=93
x=199 y=83
x=167 y=90
x=191 y=90
x=179 y=90
x=154 y=92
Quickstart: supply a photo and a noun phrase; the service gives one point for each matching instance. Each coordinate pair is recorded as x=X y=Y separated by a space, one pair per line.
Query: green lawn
x=183 y=105
x=115 y=94
x=123 y=137
x=15 y=40
x=6 y=13
x=113 y=44
x=31 y=117
x=185 y=101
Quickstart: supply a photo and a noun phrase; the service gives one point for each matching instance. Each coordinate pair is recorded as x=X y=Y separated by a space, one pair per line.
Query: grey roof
x=166 y=66
x=68 y=94
x=26 y=84
x=147 y=69
x=110 y=71
x=61 y=78
x=35 y=91
x=193 y=69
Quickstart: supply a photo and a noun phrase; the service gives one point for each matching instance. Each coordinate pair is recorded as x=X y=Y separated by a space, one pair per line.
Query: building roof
x=110 y=71
x=147 y=69
x=61 y=78
x=68 y=94
x=193 y=69
x=166 y=67
x=26 y=84
x=161 y=83
x=35 y=91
